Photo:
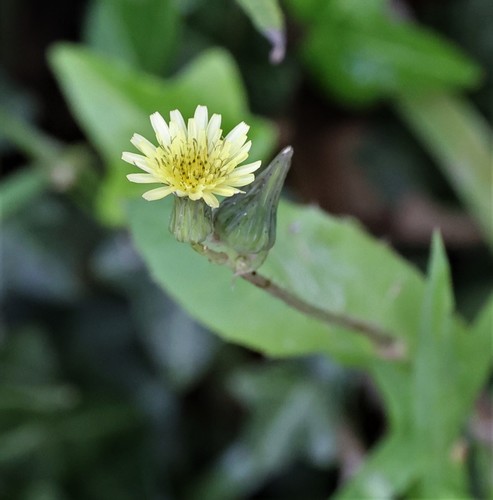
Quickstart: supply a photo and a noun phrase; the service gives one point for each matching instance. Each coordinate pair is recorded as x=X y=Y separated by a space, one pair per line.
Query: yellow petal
x=192 y=129
x=143 y=145
x=240 y=181
x=201 y=117
x=210 y=199
x=195 y=195
x=158 y=193
x=142 y=178
x=161 y=129
x=138 y=160
x=240 y=130
x=226 y=190
x=177 y=119
x=246 y=169
x=214 y=129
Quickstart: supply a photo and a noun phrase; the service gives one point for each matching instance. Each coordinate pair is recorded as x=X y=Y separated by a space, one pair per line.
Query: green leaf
x=428 y=400
x=336 y=266
x=268 y=18
x=37 y=398
x=438 y=301
x=21 y=442
x=290 y=417
x=27 y=357
x=460 y=140
x=450 y=368
x=329 y=263
x=43 y=489
x=435 y=383
x=394 y=382
x=476 y=360
x=180 y=349
x=484 y=322
x=360 y=54
x=144 y=33
x=483 y=460
x=388 y=471
x=283 y=394
x=20 y=189
x=111 y=101
x=305 y=10
x=32 y=142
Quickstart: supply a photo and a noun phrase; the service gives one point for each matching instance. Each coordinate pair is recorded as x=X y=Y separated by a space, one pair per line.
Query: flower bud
x=246 y=222
x=191 y=221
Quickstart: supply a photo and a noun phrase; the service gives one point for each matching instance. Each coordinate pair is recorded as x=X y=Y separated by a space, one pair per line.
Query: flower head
x=193 y=160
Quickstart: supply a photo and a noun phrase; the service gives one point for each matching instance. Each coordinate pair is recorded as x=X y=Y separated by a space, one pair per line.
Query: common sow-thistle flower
x=193 y=160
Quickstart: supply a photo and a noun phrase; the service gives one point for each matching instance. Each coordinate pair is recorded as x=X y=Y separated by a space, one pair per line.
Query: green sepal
x=246 y=222
x=190 y=221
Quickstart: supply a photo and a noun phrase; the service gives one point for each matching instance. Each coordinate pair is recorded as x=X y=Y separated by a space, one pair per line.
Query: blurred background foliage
x=112 y=387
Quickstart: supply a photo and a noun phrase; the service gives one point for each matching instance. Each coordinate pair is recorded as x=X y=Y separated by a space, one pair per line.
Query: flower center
x=188 y=165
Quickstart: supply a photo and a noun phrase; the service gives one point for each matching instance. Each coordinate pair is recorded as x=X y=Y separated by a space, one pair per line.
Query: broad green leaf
x=141 y=32
x=20 y=189
x=112 y=101
x=460 y=140
x=268 y=18
x=329 y=263
x=360 y=54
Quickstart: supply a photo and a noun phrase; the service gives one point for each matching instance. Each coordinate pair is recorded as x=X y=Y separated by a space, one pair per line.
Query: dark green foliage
x=132 y=368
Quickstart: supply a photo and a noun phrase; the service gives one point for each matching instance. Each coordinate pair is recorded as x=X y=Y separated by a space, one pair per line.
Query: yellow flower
x=193 y=160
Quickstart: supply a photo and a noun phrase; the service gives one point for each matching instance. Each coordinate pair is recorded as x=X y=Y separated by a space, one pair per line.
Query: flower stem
x=387 y=345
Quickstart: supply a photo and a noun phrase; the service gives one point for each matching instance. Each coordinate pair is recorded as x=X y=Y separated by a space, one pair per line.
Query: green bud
x=246 y=222
x=191 y=221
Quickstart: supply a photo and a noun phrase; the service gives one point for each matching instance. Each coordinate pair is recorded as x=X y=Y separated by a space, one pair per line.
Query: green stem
x=387 y=346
